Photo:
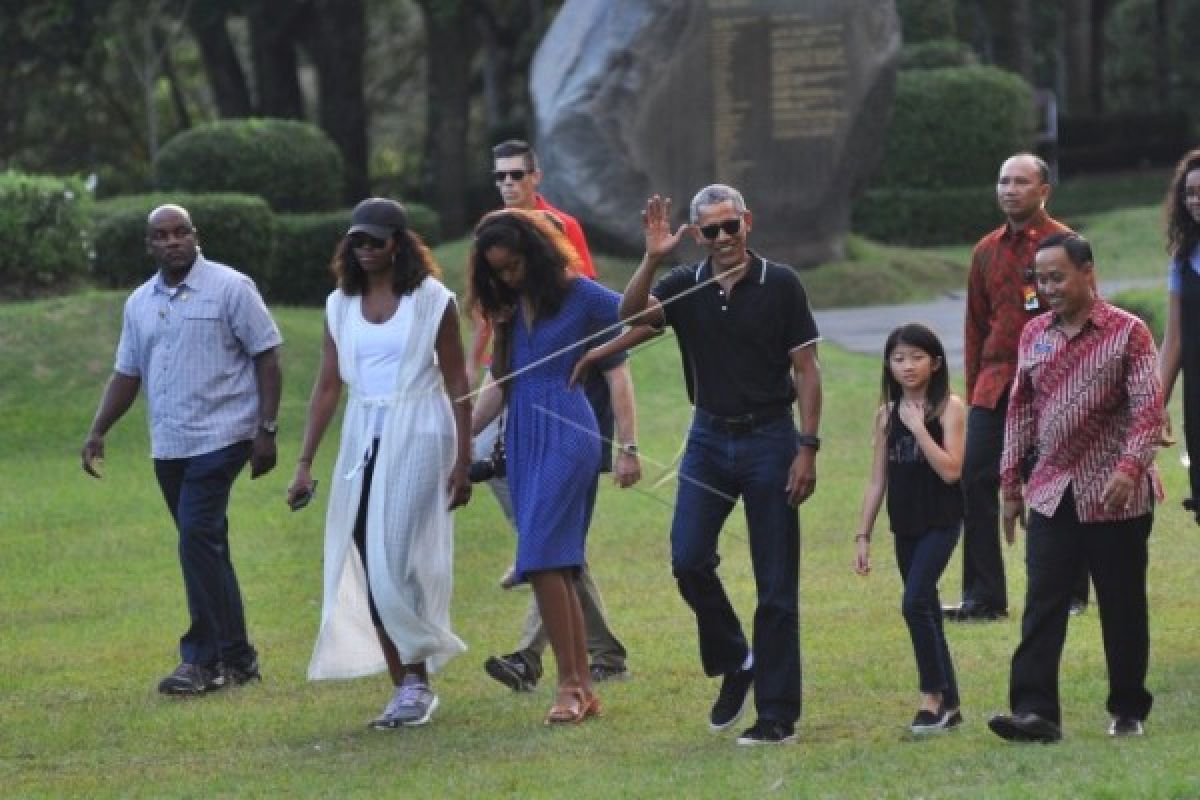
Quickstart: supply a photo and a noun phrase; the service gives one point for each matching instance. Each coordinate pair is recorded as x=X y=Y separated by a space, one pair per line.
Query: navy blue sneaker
x=767 y=731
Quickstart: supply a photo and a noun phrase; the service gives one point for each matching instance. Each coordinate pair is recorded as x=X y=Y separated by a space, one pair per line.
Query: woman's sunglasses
x=364 y=241
x=730 y=226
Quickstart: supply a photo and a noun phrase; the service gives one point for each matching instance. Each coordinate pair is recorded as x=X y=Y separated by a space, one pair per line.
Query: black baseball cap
x=378 y=217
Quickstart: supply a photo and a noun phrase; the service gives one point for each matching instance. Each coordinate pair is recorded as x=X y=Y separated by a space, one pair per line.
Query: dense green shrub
x=304 y=245
x=923 y=20
x=953 y=126
x=926 y=216
x=951 y=129
x=43 y=239
x=291 y=164
x=235 y=229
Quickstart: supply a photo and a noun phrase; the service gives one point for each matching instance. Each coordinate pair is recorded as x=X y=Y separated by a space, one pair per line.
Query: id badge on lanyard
x=1029 y=291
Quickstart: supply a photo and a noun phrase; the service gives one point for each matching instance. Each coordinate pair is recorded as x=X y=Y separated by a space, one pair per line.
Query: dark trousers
x=982 y=561
x=1191 y=425
x=197 y=493
x=360 y=529
x=922 y=560
x=717 y=468
x=1116 y=557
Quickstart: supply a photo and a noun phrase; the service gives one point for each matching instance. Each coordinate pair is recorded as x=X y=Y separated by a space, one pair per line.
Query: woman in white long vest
x=392 y=337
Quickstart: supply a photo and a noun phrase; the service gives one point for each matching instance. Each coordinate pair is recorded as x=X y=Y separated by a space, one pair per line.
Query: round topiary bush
x=951 y=129
x=293 y=165
x=234 y=229
x=953 y=126
x=43 y=234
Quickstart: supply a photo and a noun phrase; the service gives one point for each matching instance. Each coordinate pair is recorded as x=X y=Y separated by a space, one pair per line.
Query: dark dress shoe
x=973 y=613
x=1025 y=726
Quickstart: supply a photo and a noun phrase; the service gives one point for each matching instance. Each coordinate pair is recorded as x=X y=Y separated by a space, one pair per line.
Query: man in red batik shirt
x=1001 y=298
x=1087 y=403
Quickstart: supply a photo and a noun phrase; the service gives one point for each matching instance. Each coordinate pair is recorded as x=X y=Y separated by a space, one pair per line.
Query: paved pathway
x=864 y=330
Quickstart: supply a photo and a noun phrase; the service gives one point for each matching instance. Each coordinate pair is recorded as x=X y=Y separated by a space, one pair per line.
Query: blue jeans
x=922 y=560
x=717 y=468
x=197 y=493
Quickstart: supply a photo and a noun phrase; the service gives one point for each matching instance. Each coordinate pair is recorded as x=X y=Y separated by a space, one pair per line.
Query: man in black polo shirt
x=748 y=342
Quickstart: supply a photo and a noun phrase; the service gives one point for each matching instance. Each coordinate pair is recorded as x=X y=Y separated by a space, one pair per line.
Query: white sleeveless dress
x=410 y=533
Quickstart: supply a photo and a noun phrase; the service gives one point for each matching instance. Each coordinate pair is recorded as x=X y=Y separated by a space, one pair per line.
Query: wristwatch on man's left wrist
x=628 y=448
x=269 y=426
x=808 y=440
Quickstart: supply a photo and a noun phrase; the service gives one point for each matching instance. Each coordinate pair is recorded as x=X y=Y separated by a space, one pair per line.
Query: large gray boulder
x=787 y=100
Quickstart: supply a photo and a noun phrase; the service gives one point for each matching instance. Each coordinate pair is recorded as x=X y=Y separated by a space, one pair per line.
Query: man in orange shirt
x=1001 y=297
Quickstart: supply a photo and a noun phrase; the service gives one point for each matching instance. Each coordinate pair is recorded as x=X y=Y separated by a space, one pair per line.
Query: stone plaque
x=787 y=100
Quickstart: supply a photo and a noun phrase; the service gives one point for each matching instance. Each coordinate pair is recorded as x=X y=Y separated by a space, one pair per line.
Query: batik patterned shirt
x=1087 y=405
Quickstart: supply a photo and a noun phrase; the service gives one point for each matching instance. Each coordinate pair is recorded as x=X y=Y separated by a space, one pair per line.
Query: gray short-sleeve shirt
x=193 y=346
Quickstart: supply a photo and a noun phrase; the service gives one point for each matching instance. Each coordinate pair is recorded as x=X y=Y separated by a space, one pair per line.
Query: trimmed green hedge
x=926 y=216
x=293 y=165
x=43 y=234
x=304 y=246
x=234 y=229
x=953 y=126
x=951 y=129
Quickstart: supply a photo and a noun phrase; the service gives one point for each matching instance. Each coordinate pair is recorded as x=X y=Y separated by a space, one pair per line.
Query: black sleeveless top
x=917 y=498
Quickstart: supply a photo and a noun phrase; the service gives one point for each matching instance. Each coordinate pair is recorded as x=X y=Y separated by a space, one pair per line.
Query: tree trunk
x=225 y=75
x=1162 y=52
x=335 y=38
x=1099 y=11
x=1078 y=41
x=274 y=27
x=451 y=42
x=1022 y=38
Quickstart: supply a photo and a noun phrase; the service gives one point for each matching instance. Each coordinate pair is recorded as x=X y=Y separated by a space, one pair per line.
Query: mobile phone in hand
x=304 y=498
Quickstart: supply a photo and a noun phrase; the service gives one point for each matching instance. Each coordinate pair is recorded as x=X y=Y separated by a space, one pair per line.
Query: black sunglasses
x=516 y=174
x=730 y=226
x=365 y=241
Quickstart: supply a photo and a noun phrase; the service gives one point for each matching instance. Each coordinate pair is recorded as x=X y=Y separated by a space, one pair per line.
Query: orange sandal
x=594 y=708
x=571 y=706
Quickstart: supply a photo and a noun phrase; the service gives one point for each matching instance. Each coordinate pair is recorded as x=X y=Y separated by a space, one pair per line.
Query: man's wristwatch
x=269 y=427
x=628 y=448
x=808 y=440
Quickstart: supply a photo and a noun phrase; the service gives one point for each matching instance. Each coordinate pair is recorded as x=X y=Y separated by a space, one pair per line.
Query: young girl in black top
x=920 y=430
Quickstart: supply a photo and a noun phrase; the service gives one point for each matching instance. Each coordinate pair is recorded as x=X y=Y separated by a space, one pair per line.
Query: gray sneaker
x=416 y=702
x=387 y=718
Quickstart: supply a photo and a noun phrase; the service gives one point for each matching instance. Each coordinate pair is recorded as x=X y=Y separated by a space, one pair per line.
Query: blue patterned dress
x=551 y=436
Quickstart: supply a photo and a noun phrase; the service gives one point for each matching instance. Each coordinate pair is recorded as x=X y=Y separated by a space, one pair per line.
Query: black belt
x=743 y=423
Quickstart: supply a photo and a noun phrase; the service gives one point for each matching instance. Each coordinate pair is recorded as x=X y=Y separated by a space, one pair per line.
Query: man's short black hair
x=1078 y=249
x=517 y=147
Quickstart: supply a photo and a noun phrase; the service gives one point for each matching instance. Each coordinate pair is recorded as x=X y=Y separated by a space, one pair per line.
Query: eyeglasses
x=517 y=175
x=361 y=241
x=730 y=226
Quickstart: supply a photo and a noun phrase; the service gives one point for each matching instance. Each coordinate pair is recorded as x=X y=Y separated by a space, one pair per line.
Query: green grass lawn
x=91 y=606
